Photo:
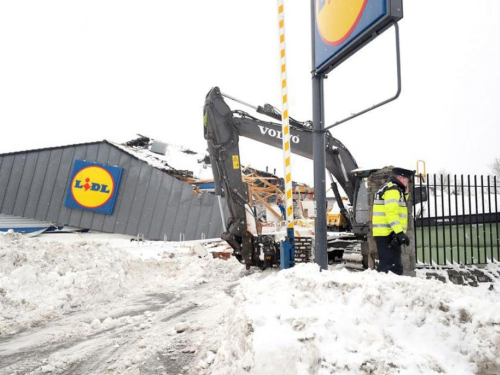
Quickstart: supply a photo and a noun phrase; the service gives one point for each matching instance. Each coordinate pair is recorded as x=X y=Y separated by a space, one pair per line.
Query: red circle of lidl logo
x=92 y=187
x=337 y=19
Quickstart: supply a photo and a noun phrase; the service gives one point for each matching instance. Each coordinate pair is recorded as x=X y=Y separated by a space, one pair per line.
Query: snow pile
x=301 y=321
x=115 y=306
x=43 y=280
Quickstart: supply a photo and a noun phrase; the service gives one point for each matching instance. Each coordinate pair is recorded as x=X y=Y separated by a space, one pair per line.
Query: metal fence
x=459 y=221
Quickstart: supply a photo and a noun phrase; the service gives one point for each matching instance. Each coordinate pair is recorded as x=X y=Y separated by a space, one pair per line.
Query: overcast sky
x=80 y=71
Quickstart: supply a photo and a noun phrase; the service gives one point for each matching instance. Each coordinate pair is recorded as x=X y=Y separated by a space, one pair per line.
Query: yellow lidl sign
x=337 y=19
x=342 y=27
x=93 y=187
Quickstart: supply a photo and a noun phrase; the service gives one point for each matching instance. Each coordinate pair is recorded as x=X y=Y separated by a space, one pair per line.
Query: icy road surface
x=84 y=305
x=118 y=307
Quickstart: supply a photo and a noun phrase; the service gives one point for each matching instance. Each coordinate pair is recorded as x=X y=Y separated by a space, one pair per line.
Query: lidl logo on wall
x=93 y=187
x=343 y=26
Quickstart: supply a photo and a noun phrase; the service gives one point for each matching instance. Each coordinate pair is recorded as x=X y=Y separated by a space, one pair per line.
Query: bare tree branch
x=495 y=167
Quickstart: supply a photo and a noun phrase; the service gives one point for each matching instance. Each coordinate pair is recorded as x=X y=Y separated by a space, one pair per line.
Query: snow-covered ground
x=87 y=305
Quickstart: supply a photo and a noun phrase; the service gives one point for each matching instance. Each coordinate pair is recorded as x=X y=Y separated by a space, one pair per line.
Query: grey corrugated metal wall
x=33 y=184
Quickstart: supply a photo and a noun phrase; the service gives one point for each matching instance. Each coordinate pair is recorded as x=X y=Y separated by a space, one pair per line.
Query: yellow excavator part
x=334 y=220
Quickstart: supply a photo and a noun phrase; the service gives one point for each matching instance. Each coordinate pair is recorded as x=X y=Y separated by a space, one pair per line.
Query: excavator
x=222 y=129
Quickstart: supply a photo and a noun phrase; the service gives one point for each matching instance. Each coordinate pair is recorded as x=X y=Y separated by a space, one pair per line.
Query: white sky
x=74 y=72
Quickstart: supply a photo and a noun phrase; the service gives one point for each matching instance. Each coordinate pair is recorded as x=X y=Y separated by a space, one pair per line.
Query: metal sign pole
x=319 y=172
x=319 y=158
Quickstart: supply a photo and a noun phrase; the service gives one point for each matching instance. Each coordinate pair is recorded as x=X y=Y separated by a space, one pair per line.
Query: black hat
x=403 y=172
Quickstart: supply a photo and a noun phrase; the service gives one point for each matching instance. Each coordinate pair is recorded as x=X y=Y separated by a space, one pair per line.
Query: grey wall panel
x=129 y=187
x=207 y=206
x=125 y=162
x=61 y=185
x=48 y=184
x=182 y=212
x=25 y=185
x=5 y=169
x=64 y=216
x=91 y=155
x=156 y=228
x=150 y=202
x=194 y=212
x=103 y=153
x=172 y=209
x=114 y=156
x=139 y=199
x=42 y=164
x=111 y=156
x=14 y=183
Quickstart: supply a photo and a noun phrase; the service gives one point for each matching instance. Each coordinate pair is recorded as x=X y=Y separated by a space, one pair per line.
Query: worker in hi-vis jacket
x=390 y=220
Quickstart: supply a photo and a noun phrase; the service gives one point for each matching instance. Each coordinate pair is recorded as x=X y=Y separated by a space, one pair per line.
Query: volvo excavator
x=222 y=129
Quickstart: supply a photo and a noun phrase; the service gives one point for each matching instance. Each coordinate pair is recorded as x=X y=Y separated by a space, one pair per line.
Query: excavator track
x=353 y=257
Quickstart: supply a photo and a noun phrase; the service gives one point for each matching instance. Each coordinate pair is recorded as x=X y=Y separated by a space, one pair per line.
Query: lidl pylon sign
x=93 y=187
x=342 y=27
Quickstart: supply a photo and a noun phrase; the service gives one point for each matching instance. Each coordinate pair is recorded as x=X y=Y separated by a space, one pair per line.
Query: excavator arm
x=339 y=161
x=222 y=129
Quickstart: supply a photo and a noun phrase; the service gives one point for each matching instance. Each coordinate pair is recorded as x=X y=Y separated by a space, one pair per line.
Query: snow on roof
x=185 y=161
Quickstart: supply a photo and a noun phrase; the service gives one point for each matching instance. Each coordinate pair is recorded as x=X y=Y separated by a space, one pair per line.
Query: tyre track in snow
x=29 y=348
x=115 y=346
x=111 y=351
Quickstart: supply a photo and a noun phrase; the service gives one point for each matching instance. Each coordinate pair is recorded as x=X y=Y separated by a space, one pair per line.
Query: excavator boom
x=339 y=161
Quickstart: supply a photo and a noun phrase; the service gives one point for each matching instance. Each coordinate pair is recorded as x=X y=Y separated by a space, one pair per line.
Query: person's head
x=403 y=175
x=404 y=180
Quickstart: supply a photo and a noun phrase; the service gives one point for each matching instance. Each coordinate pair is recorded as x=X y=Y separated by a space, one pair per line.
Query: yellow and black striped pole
x=285 y=123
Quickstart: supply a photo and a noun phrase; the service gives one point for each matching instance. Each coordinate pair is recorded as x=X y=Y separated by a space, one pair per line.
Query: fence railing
x=459 y=222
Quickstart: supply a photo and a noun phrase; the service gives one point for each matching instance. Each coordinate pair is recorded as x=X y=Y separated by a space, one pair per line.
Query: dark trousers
x=389 y=258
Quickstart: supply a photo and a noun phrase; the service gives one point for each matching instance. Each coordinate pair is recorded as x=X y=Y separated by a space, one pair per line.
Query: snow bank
x=297 y=321
x=301 y=321
x=42 y=280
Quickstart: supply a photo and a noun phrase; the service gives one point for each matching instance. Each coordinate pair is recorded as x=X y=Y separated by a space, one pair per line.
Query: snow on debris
x=176 y=158
x=301 y=321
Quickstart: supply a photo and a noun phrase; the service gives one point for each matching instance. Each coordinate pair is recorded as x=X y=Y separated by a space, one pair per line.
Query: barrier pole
x=285 y=124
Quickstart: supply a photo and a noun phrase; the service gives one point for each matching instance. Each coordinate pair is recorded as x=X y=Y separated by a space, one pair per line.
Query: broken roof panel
x=178 y=161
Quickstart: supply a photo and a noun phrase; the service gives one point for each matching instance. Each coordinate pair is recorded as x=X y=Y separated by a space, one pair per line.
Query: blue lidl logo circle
x=337 y=19
x=92 y=187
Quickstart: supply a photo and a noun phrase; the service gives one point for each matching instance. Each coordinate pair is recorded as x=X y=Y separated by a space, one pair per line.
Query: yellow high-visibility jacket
x=389 y=209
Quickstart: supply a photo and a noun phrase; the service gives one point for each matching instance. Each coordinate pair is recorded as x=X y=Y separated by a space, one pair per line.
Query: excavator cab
x=361 y=214
x=361 y=204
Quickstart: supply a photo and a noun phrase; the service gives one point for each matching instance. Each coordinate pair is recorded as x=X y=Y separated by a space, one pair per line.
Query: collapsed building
x=137 y=188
